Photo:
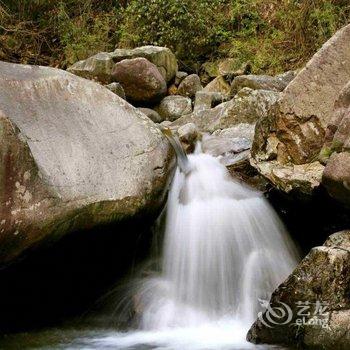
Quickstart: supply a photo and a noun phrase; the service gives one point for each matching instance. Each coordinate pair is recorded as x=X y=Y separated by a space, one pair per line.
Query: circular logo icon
x=275 y=316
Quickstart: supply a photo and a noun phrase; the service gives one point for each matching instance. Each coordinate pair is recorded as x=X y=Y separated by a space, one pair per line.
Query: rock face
x=190 y=85
x=336 y=177
x=294 y=132
x=173 y=107
x=73 y=155
x=320 y=285
x=162 y=57
x=99 y=67
x=306 y=106
x=141 y=80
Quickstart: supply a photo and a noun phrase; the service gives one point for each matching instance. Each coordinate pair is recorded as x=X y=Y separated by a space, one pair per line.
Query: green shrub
x=283 y=34
x=56 y=33
x=274 y=35
x=190 y=28
x=82 y=35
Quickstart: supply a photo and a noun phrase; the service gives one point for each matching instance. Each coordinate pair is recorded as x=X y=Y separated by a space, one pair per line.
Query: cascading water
x=224 y=248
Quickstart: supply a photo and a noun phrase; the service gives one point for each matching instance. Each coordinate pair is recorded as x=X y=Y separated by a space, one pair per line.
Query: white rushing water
x=224 y=248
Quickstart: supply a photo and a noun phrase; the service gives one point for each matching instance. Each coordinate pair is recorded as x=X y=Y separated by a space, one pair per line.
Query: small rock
x=140 y=79
x=188 y=135
x=98 y=67
x=303 y=178
x=230 y=144
x=220 y=85
x=336 y=177
x=207 y=100
x=209 y=71
x=229 y=67
x=288 y=76
x=166 y=123
x=117 y=89
x=225 y=67
x=172 y=90
x=190 y=85
x=244 y=130
x=151 y=114
x=246 y=107
x=173 y=107
x=162 y=57
x=180 y=76
x=256 y=82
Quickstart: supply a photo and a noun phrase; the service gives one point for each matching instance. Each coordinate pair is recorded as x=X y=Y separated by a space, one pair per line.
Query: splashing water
x=224 y=248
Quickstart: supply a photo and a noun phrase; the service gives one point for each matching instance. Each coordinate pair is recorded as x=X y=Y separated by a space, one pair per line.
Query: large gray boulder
x=72 y=155
x=316 y=297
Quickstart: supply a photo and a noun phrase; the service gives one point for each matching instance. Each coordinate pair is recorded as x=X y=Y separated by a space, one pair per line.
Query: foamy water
x=224 y=249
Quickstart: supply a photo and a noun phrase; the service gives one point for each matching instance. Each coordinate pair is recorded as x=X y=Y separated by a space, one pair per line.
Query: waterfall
x=224 y=249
